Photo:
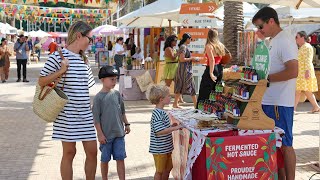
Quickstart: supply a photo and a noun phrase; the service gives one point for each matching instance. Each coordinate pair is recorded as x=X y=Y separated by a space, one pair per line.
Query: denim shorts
x=114 y=147
x=283 y=118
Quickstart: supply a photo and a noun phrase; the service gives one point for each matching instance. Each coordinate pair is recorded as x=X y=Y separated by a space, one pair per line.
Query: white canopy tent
x=7 y=29
x=143 y=17
x=290 y=3
x=39 y=33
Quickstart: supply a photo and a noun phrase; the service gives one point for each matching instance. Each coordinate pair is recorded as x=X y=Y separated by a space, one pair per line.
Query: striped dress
x=75 y=121
x=183 y=81
x=160 y=144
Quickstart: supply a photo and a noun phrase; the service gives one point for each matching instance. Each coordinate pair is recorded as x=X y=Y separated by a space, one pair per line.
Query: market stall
x=210 y=146
x=135 y=80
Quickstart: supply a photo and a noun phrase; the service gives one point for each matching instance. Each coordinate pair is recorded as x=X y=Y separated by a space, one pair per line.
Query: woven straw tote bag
x=48 y=101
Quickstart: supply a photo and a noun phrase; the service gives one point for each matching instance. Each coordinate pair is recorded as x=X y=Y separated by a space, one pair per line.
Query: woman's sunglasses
x=90 y=38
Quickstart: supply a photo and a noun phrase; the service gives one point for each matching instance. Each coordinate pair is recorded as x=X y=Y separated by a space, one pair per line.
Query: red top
x=314 y=39
x=217 y=60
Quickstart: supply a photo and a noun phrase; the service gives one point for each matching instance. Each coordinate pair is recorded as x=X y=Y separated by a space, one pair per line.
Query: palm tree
x=233 y=22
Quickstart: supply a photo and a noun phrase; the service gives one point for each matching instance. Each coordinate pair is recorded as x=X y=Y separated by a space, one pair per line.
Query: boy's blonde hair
x=156 y=92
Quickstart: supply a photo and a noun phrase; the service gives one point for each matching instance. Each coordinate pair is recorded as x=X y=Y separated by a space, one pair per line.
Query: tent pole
x=138 y=43
x=151 y=42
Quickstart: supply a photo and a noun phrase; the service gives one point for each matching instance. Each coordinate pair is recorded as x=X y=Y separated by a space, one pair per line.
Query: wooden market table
x=229 y=154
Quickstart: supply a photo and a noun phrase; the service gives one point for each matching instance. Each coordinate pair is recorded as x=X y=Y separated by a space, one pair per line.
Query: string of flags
x=24 y=12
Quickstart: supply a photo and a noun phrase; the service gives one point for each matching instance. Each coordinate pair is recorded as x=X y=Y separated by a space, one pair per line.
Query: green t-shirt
x=108 y=108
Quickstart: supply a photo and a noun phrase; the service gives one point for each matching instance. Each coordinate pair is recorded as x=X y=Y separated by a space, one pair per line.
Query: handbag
x=49 y=101
x=227 y=57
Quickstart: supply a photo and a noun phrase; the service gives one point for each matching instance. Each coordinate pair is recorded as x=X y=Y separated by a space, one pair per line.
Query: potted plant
x=129 y=63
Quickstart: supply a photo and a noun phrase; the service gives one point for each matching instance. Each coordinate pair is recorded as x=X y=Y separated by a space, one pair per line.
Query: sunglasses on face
x=261 y=26
x=90 y=38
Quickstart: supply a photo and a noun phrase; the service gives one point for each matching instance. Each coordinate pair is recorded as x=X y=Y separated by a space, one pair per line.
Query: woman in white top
x=119 y=53
x=75 y=121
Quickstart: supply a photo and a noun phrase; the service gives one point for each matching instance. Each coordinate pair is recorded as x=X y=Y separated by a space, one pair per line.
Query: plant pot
x=129 y=67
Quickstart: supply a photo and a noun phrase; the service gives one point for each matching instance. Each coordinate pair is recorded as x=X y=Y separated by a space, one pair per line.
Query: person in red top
x=52 y=47
x=314 y=39
x=214 y=51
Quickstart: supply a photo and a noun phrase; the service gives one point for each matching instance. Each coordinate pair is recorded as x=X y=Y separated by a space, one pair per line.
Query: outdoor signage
x=248 y=157
x=196 y=8
x=195 y=32
x=261 y=60
x=193 y=20
x=49 y=27
x=197 y=45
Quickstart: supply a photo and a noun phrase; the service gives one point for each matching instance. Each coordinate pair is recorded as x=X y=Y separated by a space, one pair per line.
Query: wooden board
x=253 y=116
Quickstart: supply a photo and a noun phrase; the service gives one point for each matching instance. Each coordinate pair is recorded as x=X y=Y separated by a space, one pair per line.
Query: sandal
x=314 y=111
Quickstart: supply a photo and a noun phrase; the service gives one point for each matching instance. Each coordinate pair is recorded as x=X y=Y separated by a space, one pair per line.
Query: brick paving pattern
x=27 y=151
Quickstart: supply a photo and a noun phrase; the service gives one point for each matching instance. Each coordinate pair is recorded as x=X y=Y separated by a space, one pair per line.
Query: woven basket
x=51 y=105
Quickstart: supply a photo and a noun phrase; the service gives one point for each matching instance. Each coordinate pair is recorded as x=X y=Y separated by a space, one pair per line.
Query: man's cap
x=107 y=71
x=20 y=35
x=3 y=39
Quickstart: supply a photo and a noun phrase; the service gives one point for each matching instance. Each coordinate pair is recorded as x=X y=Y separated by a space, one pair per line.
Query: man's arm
x=290 y=72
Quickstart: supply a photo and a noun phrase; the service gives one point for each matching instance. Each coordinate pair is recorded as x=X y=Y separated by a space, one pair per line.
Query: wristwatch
x=127 y=124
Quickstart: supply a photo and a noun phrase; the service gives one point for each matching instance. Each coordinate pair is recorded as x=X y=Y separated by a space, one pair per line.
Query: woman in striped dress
x=183 y=81
x=75 y=121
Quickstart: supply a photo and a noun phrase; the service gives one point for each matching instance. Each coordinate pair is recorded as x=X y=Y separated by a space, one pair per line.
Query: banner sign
x=197 y=46
x=248 y=157
x=195 y=32
x=196 y=8
x=193 y=20
x=261 y=60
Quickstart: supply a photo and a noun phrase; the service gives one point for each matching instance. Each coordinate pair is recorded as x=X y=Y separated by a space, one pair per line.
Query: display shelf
x=231 y=115
x=248 y=83
x=243 y=100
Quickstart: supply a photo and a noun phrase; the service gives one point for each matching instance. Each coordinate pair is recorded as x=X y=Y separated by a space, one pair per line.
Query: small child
x=111 y=122
x=161 y=143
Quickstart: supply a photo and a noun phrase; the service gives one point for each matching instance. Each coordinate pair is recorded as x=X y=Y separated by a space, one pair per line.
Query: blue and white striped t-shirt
x=160 y=144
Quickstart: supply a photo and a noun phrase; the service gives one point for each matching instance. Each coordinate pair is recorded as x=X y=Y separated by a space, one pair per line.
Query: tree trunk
x=233 y=22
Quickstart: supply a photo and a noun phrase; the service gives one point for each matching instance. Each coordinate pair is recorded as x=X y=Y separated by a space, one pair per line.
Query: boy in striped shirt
x=161 y=144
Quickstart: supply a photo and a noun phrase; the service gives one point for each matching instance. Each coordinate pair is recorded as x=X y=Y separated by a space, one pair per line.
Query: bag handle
x=55 y=82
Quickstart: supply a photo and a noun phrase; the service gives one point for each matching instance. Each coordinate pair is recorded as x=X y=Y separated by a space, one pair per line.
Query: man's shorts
x=163 y=162
x=114 y=147
x=283 y=117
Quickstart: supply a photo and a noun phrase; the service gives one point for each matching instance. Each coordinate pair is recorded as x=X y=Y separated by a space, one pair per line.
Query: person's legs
x=106 y=150
x=296 y=100
x=160 y=163
x=24 y=70
x=312 y=100
x=90 y=148
x=168 y=168
x=283 y=117
x=2 y=76
x=289 y=161
x=104 y=170
x=121 y=169
x=176 y=98
x=69 y=151
x=194 y=100
x=19 y=63
x=119 y=154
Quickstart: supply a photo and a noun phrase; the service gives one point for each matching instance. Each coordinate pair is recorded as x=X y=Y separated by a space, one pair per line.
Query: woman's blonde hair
x=213 y=40
x=156 y=92
x=78 y=27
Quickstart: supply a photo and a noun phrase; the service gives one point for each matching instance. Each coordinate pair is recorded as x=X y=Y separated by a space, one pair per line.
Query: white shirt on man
x=282 y=49
x=118 y=47
x=139 y=56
